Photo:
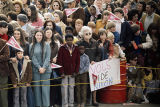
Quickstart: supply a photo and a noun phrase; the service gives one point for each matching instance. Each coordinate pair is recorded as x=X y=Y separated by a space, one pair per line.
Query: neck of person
x=49 y=41
x=87 y=40
x=149 y=14
x=18 y=41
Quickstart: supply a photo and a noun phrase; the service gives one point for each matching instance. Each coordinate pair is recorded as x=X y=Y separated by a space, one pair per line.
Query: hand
x=101 y=45
x=15 y=85
x=42 y=70
x=140 y=46
x=28 y=84
x=26 y=57
x=13 y=59
x=69 y=19
x=54 y=60
x=123 y=48
x=92 y=62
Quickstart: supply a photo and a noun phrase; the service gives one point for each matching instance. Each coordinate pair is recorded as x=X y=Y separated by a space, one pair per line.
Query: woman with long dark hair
x=34 y=19
x=40 y=53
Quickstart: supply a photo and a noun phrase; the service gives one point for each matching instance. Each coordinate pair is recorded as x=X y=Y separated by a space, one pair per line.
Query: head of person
x=93 y=10
x=78 y=24
x=38 y=37
x=92 y=25
x=10 y=30
x=69 y=39
x=32 y=13
x=86 y=33
x=133 y=15
x=89 y=2
x=135 y=29
x=119 y=13
x=152 y=29
x=3 y=27
x=150 y=7
x=126 y=3
x=69 y=30
x=110 y=7
x=105 y=15
x=70 y=3
x=133 y=59
x=48 y=33
x=110 y=37
x=22 y=19
x=50 y=24
x=12 y=16
x=19 y=54
x=24 y=2
x=81 y=48
x=19 y=35
x=102 y=33
x=56 y=5
x=14 y=24
x=111 y=26
x=48 y=16
x=3 y=17
x=98 y=3
x=18 y=6
x=141 y=6
x=48 y=1
x=40 y=4
x=58 y=16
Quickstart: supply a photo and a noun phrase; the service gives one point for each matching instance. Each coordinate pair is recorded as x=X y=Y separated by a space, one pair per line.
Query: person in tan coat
x=21 y=76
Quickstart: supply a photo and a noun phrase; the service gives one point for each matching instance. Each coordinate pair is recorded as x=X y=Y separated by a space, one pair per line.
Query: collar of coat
x=15 y=67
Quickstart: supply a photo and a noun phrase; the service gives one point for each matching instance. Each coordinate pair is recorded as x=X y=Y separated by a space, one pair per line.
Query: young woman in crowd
x=41 y=6
x=40 y=53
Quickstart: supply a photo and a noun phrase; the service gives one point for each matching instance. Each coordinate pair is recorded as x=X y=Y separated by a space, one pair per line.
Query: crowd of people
x=47 y=33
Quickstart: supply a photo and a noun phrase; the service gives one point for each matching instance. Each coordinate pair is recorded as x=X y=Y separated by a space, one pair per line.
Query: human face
x=81 y=49
x=69 y=41
x=90 y=2
x=87 y=35
x=93 y=11
x=56 y=6
x=24 y=1
x=105 y=17
x=134 y=61
x=17 y=8
x=48 y=34
x=19 y=55
x=139 y=7
x=149 y=10
x=56 y=18
x=99 y=3
x=118 y=14
x=50 y=25
x=29 y=12
x=9 y=19
x=103 y=37
x=72 y=4
x=38 y=5
x=135 y=18
x=113 y=29
x=109 y=8
x=3 y=30
x=78 y=26
x=17 y=35
x=46 y=17
x=38 y=37
x=47 y=1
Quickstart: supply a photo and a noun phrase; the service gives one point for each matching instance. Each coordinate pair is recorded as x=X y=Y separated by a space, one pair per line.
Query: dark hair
x=22 y=37
x=42 y=2
x=69 y=28
x=16 y=51
x=28 y=2
x=135 y=28
x=120 y=10
x=151 y=27
x=35 y=41
x=3 y=17
x=52 y=38
x=59 y=38
x=152 y=4
x=101 y=32
x=111 y=5
x=125 y=3
x=132 y=56
x=34 y=13
x=132 y=13
x=69 y=36
x=3 y=24
x=12 y=15
x=143 y=5
x=10 y=30
x=47 y=21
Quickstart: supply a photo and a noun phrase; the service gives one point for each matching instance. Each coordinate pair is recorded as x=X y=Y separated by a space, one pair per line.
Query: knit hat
x=23 y=18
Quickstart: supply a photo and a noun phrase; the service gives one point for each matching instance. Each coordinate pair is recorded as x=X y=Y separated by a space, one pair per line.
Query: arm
x=148 y=43
x=29 y=69
x=4 y=54
x=12 y=74
x=47 y=56
x=77 y=61
x=60 y=59
x=87 y=63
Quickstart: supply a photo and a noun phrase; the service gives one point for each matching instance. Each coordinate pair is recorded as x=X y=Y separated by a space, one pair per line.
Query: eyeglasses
x=88 y=33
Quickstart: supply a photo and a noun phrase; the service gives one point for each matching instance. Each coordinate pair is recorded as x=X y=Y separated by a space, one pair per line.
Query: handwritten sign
x=104 y=73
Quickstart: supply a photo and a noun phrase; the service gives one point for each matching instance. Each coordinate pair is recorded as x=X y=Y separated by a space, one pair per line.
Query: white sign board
x=104 y=73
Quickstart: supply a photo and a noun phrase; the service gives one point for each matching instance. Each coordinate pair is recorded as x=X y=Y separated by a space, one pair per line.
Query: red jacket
x=4 y=37
x=70 y=62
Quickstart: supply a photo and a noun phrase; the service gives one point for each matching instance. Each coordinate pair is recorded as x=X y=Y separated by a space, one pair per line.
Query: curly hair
x=132 y=13
x=34 y=13
x=42 y=2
